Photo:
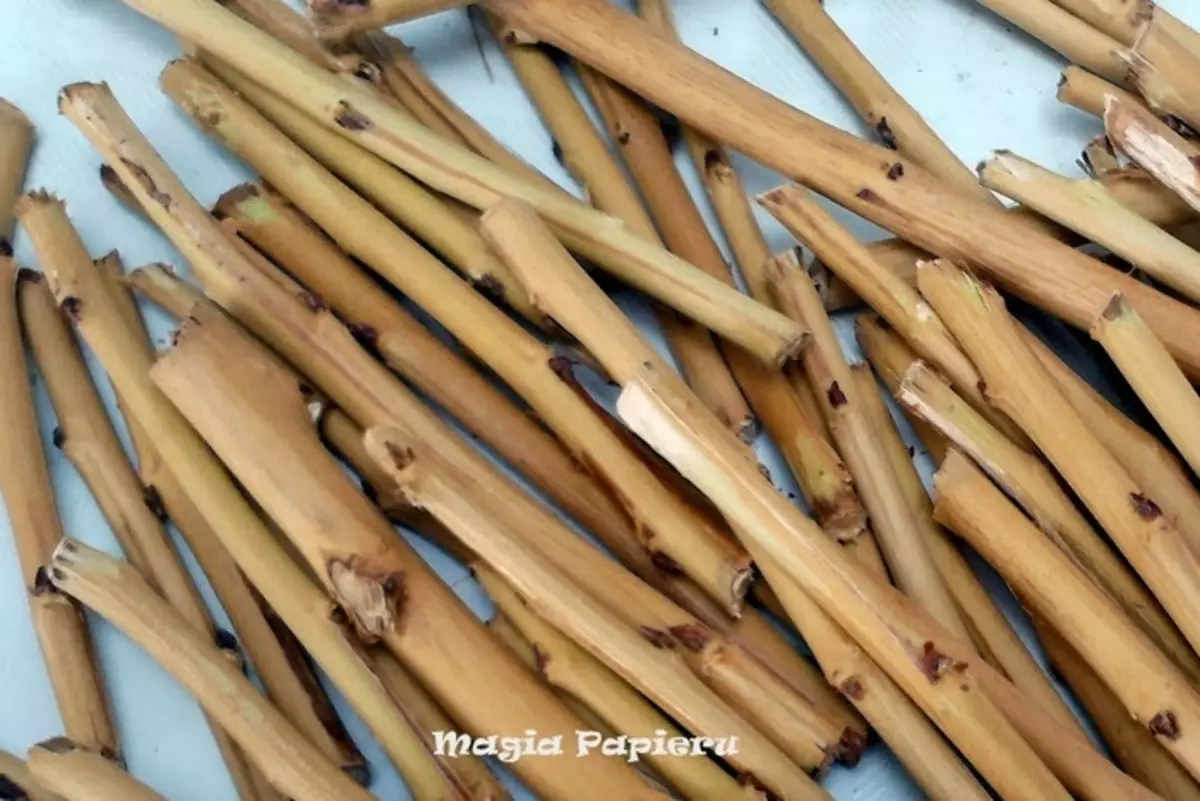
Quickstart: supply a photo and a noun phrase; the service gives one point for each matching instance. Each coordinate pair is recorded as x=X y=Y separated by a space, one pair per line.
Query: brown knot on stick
x=933 y=663
x=693 y=638
x=372 y=598
x=1145 y=508
x=347 y=117
x=1165 y=725
x=657 y=637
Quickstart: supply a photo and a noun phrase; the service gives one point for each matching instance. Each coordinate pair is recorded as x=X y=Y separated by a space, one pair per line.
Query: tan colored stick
x=17 y=780
x=891 y=359
x=218 y=503
x=905 y=547
x=215 y=375
x=337 y=19
x=86 y=436
x=524 y=363
x=385 y=52
x=849 y=171
x=1098 y=157
x=79 y=774
x=408 y=347
x=975 y=312
x=1153 y=145
x=1065 y=33
x=1087 y=92
x=25 y=482
x=119 y=593
x=639 y=137
x=1031 y=484
x=1085 y=207
x=594 y=320
x=573 y=670
x=898 y=125
x=1146 y=459
x=287 y=25
x=1132 y=744
x=1152 y=373
x=1164 y=61
x=479 y=183
x=16 y=144
x=645 y=659
x=1152 y=690
x=1120 y=19
x=988 y=627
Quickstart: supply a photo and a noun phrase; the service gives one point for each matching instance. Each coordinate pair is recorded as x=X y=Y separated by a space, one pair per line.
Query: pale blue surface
x=979 y=83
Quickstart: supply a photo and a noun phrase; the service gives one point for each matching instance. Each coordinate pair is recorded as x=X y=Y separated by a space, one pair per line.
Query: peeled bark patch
x=372 y=599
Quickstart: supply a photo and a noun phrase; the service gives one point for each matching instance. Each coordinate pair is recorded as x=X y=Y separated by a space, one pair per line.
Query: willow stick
x=1120 y=19
x=383 y=50
x=17 y=780
x=891 y=359
x=847 y=170
x=527 y=365
x=218 y=503
x=1163 y=61
x=1021 y=387
x=405 y=345
x=76 y=773
x=1065 y=33
x=895 y=122
x=86 y=436
x=337 y=19
x=1087 y=92
x=1152 y=373
x=1152 y=689
x=1086 y=208
x=216 y=374
x=287 y=25
x=122 y=596
x=989 y=629
x=594 y=320
x=894 y=300
x=1155 y=147
x=647 y=662
x=1031 y=484
x=28 y=495
x=480 y=183
x=906 y=549
x=572 y=669
x=1149 y=462
x=414 y=207
x=16 y=144
x=1132 y=745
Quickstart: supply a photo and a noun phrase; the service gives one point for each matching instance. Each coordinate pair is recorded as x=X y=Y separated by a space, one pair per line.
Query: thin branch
x=1159 y=150
x=79 y=774
x=16 y=144
x=1087 y=92
x=16 y=778
x=337 y=19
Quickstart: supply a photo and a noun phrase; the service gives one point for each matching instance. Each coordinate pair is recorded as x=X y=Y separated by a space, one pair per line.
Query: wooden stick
x=337 y=19
x=406 y=346
x=471 y=772
x=976 y=314
x=86 y=436
x=479 y=183
x=16 y=144
x=891 y=359
x=1099 y=157
x=219 y=504
x=25 y=482
x=896 y=301
x=639 y=137
x=1152 y=689
x=386 y=589
x=525 y=364
x=415 y=208
x=287 y=25
x=388 y=54
x=1154 y=146
x=1031 y=484
x=1132 y=745
x=646 y=660
x=1120 y=19
x=897 y=124
x=1164 y=61
x=1085 y=207
x=990 y=631
x=847 y=170
x=1152 y=373
x=17 y=780
x=573 y=670
x=119 y=593
x=1087 y=92
x=905 y=547
x=77 y=774
x=1065 y=33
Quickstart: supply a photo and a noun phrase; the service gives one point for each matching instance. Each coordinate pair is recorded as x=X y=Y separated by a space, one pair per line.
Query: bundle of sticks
x=665 y=635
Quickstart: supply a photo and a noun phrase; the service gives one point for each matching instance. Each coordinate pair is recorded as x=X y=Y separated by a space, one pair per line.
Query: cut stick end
x=1117 y=309
x=82 y=94
x=30 y=202
x=244 y=201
